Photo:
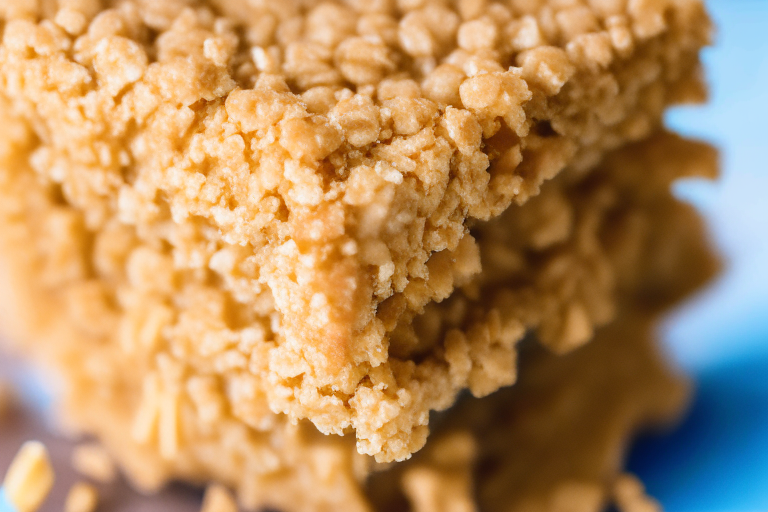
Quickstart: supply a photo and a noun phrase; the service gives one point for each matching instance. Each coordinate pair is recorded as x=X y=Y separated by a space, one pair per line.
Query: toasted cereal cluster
x=93 y=461
x=266 y=194
x=592 y=243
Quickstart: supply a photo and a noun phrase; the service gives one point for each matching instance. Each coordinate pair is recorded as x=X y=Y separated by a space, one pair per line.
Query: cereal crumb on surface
x=444 y=483
x=29 y=478
x=95 y=462
x=218 y=499
x=629 y=495
x=82 y=497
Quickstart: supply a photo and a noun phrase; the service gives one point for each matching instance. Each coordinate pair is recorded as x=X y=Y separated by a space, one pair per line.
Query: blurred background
x=717 y=460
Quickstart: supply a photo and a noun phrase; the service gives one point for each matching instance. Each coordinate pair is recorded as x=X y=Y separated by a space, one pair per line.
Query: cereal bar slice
x=266 y=191
x=559 y=266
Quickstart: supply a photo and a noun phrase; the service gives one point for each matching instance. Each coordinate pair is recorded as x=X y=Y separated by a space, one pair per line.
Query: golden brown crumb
x=93 y=461
x=29 y=478
x=444 y=483
x=218 y=499
x=266 y=194
x=82 y=497
x=629 y=495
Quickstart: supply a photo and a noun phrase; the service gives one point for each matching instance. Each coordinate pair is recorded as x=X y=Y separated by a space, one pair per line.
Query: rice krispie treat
x=560 y=264
x=264 y=194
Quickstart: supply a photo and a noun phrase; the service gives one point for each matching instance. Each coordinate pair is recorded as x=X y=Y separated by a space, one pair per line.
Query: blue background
x=717 y=460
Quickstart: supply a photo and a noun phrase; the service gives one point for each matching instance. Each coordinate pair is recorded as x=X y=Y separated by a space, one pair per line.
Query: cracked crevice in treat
x=590 y=244
x=264 y=193
x=569 y=417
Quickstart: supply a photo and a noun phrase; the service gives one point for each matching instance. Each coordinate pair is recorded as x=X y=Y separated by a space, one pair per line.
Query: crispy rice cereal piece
x=218 y=499
x=445 y=483
x=82 y=497
x=629 y=495
x=95 y=462
x=29 y=478
x=586 y=240
x=263 y=192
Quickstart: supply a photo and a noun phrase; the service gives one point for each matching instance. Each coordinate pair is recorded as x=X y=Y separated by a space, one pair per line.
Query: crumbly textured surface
x=589 y=244
x=556 y=440
x=264 y=194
